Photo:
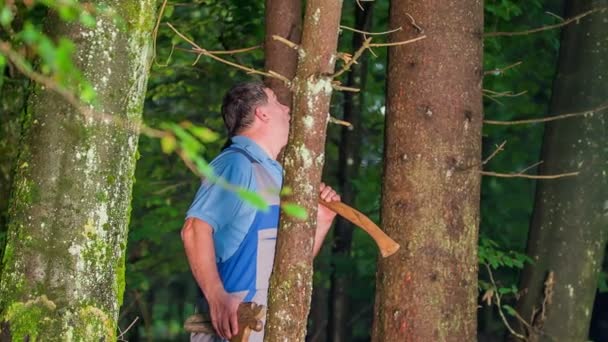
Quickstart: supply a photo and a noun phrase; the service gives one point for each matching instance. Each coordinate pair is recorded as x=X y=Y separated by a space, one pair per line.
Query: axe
x=249 y=317
x=386 y=245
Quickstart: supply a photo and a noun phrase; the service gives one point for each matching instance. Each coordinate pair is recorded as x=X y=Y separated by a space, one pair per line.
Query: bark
x=348 y=166
x=283 y=18
x=63 y=267
x=291 y=279
x=430 y=205
x=568 y=232
x=12 y=105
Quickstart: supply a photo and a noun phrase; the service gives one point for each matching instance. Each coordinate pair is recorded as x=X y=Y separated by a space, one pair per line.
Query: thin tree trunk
x=430 y=204
x=63 y=268
x=569 y=227
x=348 y=167
x=283 y=18
x=291 y=279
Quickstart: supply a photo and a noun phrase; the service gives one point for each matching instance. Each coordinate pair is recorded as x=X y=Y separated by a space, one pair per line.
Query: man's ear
x=261 y=114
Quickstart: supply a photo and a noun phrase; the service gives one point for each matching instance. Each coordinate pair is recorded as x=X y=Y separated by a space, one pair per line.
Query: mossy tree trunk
x=430 y=204
x=348 y=170
x=12 y=105
x=291 y=279
x=63 y=267
x=284 y=19
x=569 y=225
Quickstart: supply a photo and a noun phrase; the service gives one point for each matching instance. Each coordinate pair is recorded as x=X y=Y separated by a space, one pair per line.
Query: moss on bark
x=69 y=212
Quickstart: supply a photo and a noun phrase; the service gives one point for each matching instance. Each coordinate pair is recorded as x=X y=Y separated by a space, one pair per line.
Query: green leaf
x=294 y=210
x=204 y=134
x=87 y=20
x=253 y=198
x=286 y=191
x=504 y=290
x=168 y=144
x=6 y=16
x=2 y=61
x=87 y=94
x=168 y=11
x=509 y=309
x=68 y=13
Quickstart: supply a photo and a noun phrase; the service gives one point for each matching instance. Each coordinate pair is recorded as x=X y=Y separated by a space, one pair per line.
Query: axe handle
x=386 y=245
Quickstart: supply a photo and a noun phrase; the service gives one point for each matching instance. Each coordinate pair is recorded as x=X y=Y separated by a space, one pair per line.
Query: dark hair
x=239 y=104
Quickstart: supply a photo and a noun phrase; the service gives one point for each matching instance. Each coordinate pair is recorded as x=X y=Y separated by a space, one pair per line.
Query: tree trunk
x=283 y=18
x=291 y=279
x=430 y=205
x=63 y=268
x=348 y=167
x=12 y=106
x=569 y=226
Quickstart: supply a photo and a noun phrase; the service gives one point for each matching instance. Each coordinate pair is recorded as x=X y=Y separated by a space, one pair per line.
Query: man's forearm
x=197 y=236
x=320 y=233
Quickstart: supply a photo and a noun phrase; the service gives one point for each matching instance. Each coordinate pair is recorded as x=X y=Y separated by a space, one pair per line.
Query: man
x=229 y=243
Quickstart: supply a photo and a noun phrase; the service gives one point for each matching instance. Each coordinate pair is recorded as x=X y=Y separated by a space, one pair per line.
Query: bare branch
x=548 y=27
x=354 y=59
x=555 y=15
x=371 y=33
x=200 y=51
x=286 y=42
x=499 y=71
x=508 y=93
x=126 y=330
x=413 y=22
x=338 y=87
x=368 y=45
x=336 y=121
x=499 y=306
x=521 y=175
x=493 y=99
x=359 y=4
x=398 y=43
x=547 y=119
x=155 y=31
x=530 y=167
x=498 y=149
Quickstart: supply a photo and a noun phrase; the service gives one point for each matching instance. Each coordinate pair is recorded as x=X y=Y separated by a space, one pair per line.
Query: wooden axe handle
x=250 y=316
x=386 y=245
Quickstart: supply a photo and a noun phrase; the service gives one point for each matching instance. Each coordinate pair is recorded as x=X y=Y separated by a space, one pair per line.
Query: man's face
x=278 y=117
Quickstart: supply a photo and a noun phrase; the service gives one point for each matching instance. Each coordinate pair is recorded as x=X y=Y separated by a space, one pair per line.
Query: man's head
x=253 y=109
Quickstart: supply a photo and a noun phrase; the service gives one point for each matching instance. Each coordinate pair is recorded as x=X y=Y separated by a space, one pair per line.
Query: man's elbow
x=192 y=227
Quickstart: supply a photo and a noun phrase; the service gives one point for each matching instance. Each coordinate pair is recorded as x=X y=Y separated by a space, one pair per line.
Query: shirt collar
x=251 y=147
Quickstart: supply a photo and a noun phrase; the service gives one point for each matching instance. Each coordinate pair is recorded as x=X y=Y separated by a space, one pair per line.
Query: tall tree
x=348 y=166
x=63 y=267
x=430 y=204
x=291 y=279
x=284 y=19
x=569 y=227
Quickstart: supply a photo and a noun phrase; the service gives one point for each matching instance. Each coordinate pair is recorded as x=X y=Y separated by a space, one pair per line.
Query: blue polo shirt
x=244 y=237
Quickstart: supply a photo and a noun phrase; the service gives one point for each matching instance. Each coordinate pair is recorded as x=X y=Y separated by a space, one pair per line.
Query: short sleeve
x=216 y=205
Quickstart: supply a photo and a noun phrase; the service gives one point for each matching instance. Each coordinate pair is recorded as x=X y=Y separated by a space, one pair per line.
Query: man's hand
x=223 y=309
x=324 y=214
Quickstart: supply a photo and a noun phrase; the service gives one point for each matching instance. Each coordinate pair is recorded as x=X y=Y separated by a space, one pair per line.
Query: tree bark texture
x=283 y=18
x=430 y=195
x=12 y=105
x=63 y=267
x=348 y=170
x=291 y=279
x=569 y=226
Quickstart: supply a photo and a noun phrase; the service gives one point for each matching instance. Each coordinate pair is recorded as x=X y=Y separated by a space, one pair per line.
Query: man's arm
x=325 y=216
x=197 y=236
